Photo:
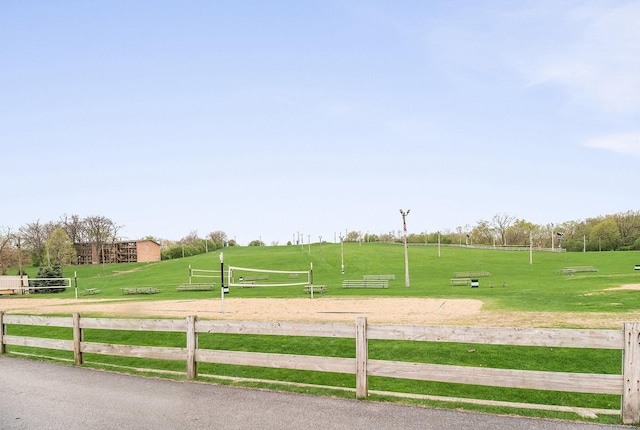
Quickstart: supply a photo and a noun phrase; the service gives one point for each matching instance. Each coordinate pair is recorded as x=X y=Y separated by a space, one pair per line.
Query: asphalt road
x=36 y=395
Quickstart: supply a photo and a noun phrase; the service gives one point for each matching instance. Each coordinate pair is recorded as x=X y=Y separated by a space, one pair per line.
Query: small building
x=130 y=251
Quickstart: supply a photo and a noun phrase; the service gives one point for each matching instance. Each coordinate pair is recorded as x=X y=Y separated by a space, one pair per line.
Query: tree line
x=52 y=244
x=617 y=232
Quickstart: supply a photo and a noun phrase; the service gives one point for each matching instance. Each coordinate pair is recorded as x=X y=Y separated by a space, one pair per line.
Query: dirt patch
x=626 y=287
x=401 y=311
x=376 y=310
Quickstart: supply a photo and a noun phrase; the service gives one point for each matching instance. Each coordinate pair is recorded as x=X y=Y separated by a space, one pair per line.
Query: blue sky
x=268 y=118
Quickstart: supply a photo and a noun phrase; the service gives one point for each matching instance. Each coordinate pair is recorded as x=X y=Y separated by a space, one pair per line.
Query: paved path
x=36 y=395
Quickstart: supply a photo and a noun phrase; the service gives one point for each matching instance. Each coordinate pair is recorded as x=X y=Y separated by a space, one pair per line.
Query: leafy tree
x=482 y=233
x=60 y=248
x=518 y=233
x=353 y=236
x=606 y=235
x=256 y=243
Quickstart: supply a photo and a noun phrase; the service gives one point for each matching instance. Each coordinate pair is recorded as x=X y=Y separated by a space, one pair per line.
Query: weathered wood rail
x=627 y=384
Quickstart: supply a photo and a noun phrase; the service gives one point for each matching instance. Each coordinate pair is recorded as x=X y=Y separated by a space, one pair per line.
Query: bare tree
x=8 y=250
x=500 y=223
x=100 y=230
x=34 y=237
x=217 y=236
x=192 y=237
x=75 y=228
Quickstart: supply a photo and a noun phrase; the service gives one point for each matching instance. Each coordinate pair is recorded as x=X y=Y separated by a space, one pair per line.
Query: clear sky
x=268 y=118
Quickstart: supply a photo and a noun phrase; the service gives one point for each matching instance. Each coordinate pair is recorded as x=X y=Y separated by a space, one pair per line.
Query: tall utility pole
x=342 y=253
x=406 y=250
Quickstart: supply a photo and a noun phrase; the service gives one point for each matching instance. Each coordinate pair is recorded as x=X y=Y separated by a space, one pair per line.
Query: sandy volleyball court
x=377 y=310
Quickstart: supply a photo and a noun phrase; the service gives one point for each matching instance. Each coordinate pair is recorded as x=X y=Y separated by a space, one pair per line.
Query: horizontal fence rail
x=627 y=340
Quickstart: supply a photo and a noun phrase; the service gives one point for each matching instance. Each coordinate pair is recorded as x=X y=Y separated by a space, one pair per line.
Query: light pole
x=406 y=250
x=342 y=252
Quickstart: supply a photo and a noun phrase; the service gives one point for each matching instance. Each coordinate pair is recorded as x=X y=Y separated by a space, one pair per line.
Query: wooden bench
x=315 y=288
x=140 y=290
x=571 y=270
x=460 y=281
x=582 y=269
x=365 y=283
x=380 y=277
x=88 y=291
x=480 y=274
x=196 y=287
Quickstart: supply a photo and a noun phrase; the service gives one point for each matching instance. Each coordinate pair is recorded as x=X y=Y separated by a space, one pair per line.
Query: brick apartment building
x=131 y=251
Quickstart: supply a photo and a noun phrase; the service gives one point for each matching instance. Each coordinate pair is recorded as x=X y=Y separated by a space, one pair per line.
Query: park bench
x=460 y=281
x=315 y=288
x=196 y=287
x=571 y=270
x=89 y=291
x=380 y=277
x=365 y=283
x=140 y=290
x=583 y=269
x=479 y=274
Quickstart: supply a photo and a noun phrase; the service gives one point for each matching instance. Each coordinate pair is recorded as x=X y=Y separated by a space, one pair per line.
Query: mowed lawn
x=514 y=283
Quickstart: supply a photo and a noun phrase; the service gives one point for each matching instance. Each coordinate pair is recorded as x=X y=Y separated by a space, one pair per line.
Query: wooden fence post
x=78 y=337
x=631 y=374
x=3 y=331
x=362 y=355
x=192 y=345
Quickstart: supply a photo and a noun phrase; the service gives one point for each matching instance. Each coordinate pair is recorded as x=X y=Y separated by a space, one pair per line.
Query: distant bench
x=315 y=288
x=379 y=277
x=196 y=287
x=91 y=291
x=571 y=270
x=461 y=281
x=471 y=274
x=365 y=283
x=250 y=281
x=141 y=290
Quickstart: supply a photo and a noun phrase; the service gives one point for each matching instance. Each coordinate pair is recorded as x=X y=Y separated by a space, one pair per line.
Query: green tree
x=60 y=249
x=54 y=272
x=605 y=235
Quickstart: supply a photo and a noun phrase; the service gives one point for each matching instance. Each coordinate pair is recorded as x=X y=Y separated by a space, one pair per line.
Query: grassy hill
x=514 y=283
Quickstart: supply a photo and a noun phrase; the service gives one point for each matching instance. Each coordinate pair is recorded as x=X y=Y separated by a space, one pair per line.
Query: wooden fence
x=627 y=384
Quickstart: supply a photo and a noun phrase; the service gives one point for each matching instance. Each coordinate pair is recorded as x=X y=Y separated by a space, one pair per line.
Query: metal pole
x=406 y=249
x=342 y=252
x=221 y=282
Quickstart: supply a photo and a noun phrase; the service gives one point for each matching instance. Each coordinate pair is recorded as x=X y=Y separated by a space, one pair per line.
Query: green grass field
x=514 y=284
x=529 y=287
